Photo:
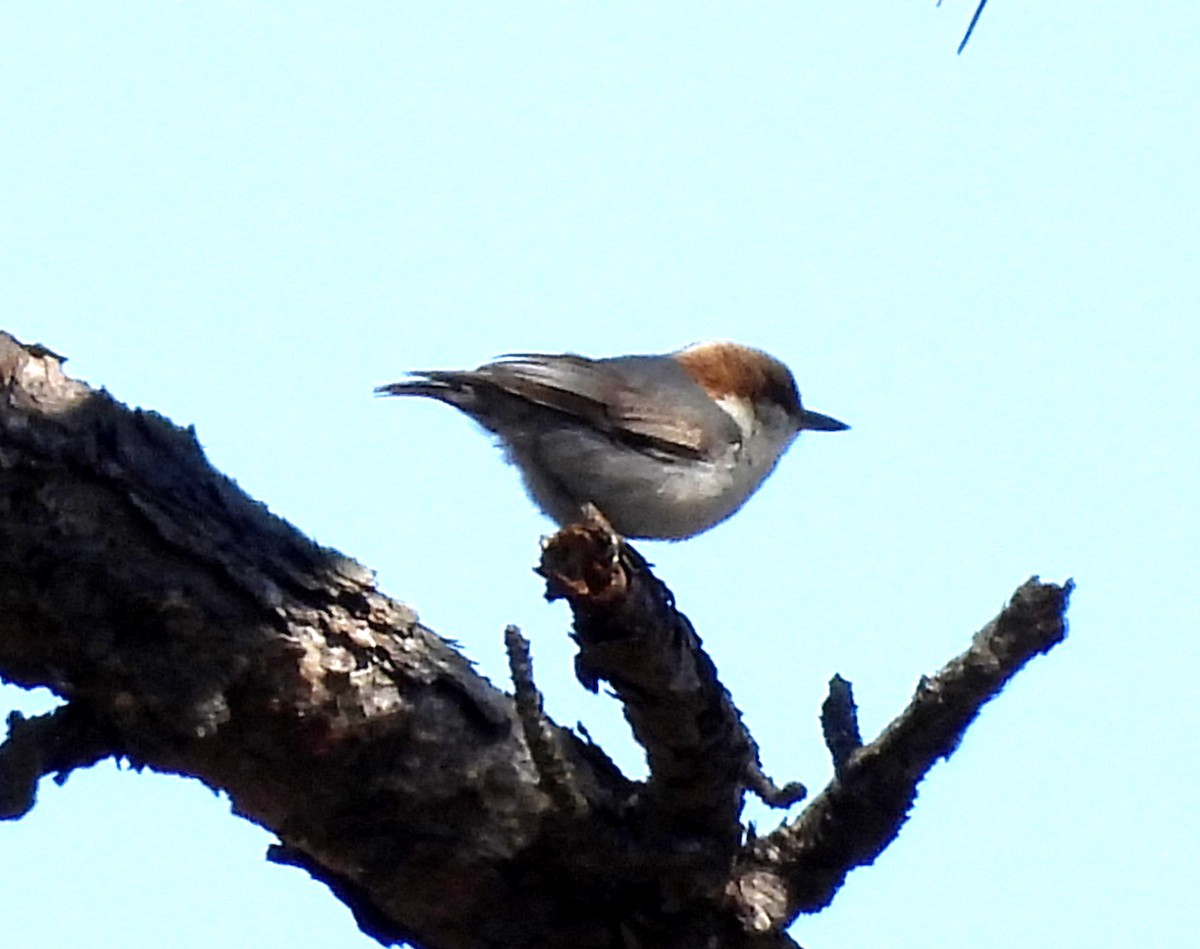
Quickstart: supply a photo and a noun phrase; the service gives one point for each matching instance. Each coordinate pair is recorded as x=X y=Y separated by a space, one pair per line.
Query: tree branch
x=56 y=743
x=700 y=754
x=216 y=641
x=839 y=723
x=799 y=867
x=190 y=631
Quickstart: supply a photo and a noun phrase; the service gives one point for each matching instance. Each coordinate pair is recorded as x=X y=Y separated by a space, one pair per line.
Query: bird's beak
x=815 y=421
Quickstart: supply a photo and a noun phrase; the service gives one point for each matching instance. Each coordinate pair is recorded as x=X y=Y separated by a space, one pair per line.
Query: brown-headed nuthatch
x=664 y=446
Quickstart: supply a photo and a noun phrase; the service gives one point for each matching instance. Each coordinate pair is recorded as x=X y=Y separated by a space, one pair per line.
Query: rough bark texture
x=189 y=630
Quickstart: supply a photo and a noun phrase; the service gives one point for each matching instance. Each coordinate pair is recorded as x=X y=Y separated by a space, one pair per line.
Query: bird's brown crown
x=727 y=369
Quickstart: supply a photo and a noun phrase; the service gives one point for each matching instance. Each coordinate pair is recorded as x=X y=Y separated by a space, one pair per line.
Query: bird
x=664 y=446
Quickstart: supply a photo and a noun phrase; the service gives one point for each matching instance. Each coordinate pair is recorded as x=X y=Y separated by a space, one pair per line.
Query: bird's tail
x=445 y=386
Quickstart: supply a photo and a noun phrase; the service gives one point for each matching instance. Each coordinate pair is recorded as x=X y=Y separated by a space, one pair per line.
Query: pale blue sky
x=247 y=215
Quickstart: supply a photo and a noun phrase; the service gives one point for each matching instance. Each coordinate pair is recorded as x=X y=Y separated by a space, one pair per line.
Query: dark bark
x=700 y=755
x=189 y=630
x=861 y=811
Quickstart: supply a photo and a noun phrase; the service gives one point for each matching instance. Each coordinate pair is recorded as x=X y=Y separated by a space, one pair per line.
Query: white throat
x=767 y=431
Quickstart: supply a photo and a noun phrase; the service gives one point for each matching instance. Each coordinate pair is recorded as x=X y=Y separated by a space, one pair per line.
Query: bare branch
x=541 y=737
x=192 y=632
x=218 y=642
x=801 y=866
x=56 y=743
x=839 y=723
x=971 y=26
x=700 y=754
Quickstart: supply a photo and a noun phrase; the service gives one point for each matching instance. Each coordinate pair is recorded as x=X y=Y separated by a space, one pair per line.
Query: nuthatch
x=664 y=446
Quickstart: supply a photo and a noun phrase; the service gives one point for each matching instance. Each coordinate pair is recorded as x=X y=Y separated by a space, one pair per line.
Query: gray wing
x=635 y=398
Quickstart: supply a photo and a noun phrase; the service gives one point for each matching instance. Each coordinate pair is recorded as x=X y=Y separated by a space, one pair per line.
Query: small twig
x=56 y=743
x=771 y=793
x=971 y=26
x=555 y=774
x=839 y=723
